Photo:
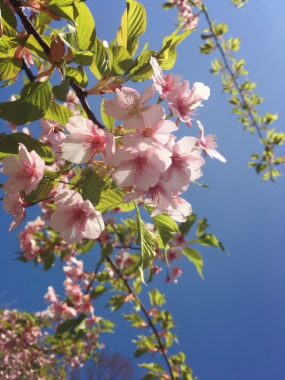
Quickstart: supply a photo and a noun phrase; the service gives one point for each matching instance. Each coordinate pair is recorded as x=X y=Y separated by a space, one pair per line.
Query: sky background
x=232 y=325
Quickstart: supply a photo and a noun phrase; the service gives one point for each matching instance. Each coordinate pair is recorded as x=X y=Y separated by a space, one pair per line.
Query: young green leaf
x=9 y=145
x=196 y=258
x=32 y=105
x=133 y=25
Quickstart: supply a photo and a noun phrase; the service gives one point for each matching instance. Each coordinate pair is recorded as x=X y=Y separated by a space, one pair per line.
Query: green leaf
x=58 y=113
x=33 y=45
x=83 y=57
x=108 y=121
x=86 y=29
x=168 y=54
x=202 y=227
x=8 y=20
x=122 y=60
x=210 y=240
x=77 y=74
x=9 y=145
x=186 y=226
x=70 y=325
x=61 y=91
x=111 y=199
x=133 y=25
x=152 y=367
x=102 y=57
x=41 y=193
x=147 y=242
x=68 y=12
x=85 y=247
x=166 y=227
x=157 y=298
x=9 y=69
x=98 y=291
x=142 y=70
x=32 y=105
x=196 y=258
x=92 y=187
x=49 y=260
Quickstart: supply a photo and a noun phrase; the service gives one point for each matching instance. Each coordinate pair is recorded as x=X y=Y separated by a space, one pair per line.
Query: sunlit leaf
x=196 y=258
x=133 y=25
x=9 y=145
x=32 y=105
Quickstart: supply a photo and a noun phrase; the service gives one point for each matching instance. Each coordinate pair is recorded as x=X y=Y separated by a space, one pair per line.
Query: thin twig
x=30 y=29
x=145 y=312
x=232 y=75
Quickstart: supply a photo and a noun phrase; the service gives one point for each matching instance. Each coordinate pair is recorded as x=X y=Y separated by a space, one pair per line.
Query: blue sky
x=232 y=325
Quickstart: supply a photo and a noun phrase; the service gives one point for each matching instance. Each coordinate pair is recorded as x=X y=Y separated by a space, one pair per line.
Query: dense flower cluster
x=189 y=19
x=79 y=301
x=144 y=158
x=21 y=353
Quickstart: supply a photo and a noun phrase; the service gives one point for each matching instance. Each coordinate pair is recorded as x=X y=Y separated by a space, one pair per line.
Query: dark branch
x=30 y=29
x=145 y=312
x=28 y=71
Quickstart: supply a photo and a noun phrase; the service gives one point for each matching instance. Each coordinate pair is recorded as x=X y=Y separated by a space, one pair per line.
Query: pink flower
x=158 y=134
x=130 y=106
x=14 y=205
x=164 y=84
x=141 y=166
x=157 y=196
x=28 y=239
x=75 y=218
x=184 y=100
x=74 y=269
x=209 y=144
x=51 y=296
x=179 y=209
x=54 y=135
x=85 y=141
x=186 y=165
x=25 y=171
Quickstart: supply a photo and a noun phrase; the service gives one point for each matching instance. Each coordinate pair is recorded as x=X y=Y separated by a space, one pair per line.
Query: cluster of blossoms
x=76 y=289
x=189 y=19
x=21 y=352
x=142 y=156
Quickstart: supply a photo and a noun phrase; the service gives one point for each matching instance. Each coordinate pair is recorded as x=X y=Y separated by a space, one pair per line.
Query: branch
x=30 y=29
x=28 y=71
x=232 y=75
x=145 y=312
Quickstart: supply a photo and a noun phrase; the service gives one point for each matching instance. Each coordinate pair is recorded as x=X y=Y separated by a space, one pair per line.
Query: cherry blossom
x=209 y=144
x=158 y=134
x=14 y=205
x=184 y=100
x=186 y=164
x=130 y=106
x=141 y=166
x=75 y=218
x=85 y=141
x=164 y=84
x=25 y=171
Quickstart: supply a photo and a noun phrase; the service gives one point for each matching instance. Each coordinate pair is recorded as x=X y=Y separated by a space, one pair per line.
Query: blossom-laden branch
x=31 y=30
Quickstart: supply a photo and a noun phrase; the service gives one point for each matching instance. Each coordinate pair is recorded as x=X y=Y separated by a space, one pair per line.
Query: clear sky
x=232 y=325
